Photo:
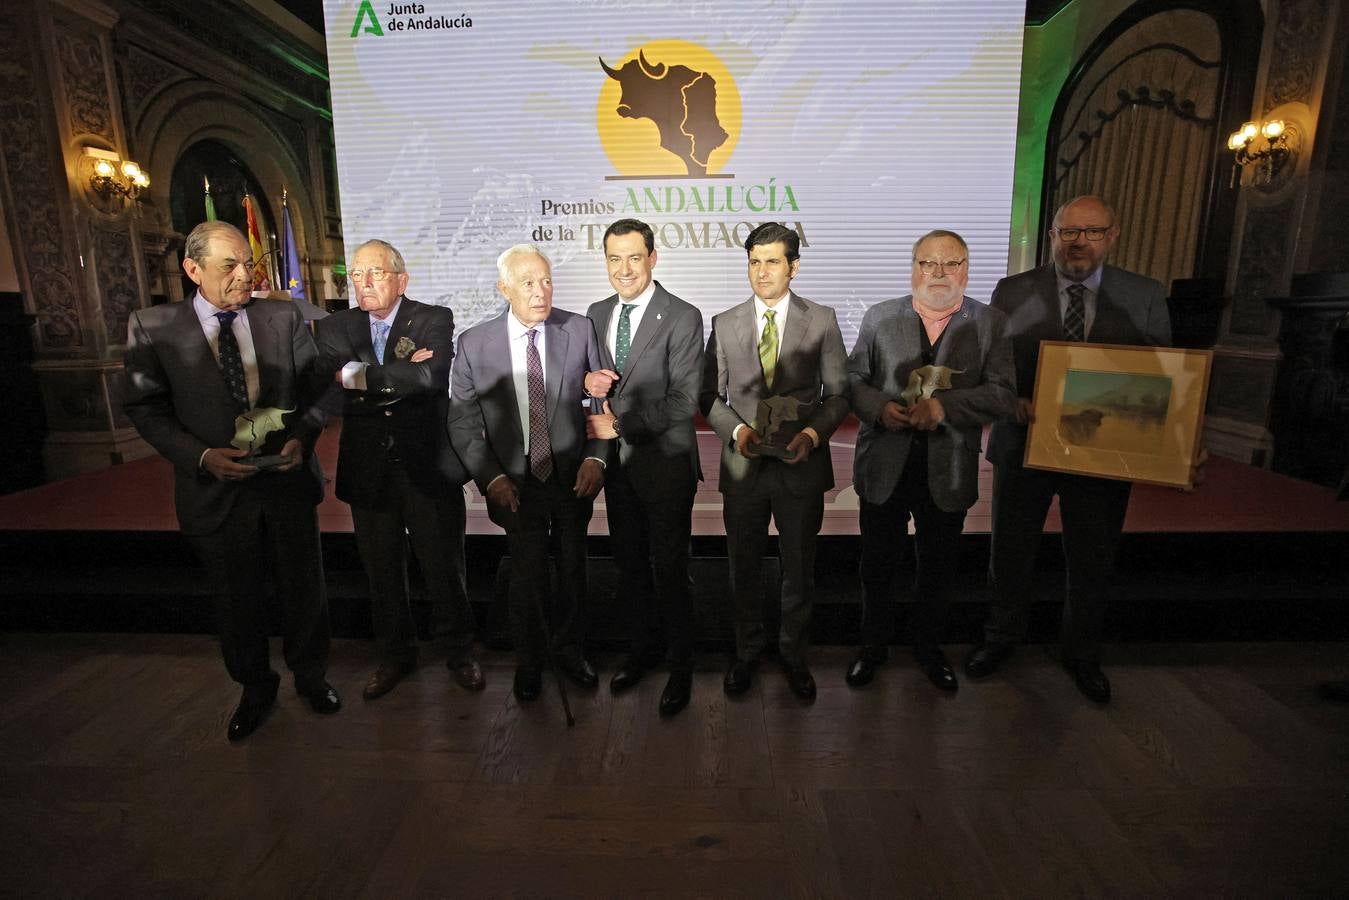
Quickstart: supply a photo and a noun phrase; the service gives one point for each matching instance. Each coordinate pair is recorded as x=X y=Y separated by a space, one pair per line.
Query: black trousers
x=434 y=526
x=1092 y=511
x=264 y=530
x=650 y=542
x=746 y=514
x=549 y=513
x=937 y=538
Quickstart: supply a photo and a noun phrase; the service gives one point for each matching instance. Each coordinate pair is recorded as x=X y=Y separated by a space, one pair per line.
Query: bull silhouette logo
x=670 y=109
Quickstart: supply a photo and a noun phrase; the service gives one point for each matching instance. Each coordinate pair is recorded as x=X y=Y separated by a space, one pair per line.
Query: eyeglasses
x=376 y=273
x=1095 y=233
x=930 y=266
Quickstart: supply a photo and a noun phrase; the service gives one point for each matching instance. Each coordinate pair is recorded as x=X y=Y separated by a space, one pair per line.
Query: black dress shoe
x=386 y=677
x=801 y=682
x=677 y=691
x=739 y=677
x=252 y=709
x=985 y=659
x=864 y=667
x=579 y=670
x=937 y=669
x=626 y=676
x=528 y=683
x=468 y=675
x=1090 y=680
x=322 y=698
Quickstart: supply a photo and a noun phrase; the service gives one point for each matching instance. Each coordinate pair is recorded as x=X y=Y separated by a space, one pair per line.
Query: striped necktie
x=1075 y=319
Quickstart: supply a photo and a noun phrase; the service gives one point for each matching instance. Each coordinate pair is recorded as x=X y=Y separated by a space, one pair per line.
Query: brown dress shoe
x=385 y=679
x=468 y=675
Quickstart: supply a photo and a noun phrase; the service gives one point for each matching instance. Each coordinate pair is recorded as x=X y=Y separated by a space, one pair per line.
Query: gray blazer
x=889 y=347
x=811 y=368
x=1130 y=309
x=178 y=402
x=657 y=396
x=484 y=420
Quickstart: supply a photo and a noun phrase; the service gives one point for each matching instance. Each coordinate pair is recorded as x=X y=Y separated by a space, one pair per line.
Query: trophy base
x=774 y=451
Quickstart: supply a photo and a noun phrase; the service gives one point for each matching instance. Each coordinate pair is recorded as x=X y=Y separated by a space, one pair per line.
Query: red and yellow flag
x=260 y=280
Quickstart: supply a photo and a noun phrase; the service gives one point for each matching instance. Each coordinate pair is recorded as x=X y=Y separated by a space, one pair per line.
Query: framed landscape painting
x=1132 y=413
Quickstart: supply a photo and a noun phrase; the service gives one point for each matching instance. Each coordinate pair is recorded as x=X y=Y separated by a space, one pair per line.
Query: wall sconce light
x=1262 y=150
x=113 y=175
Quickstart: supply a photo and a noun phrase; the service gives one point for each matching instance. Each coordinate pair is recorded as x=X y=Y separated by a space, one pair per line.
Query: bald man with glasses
x=1075 y=298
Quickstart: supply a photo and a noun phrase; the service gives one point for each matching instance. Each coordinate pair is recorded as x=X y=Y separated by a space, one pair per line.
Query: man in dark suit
x=928 y=372
x=652 y=346
x=784 y=349
x=192 y=368
x=1074 y=298
x=396 y=468
x=517 y=422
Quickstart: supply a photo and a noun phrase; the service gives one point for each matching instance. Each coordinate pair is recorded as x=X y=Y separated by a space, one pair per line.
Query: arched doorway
x=230 y=180
x=1143 y=120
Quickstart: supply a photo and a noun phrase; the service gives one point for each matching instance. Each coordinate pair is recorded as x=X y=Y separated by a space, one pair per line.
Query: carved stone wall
x=32 y=168
x=1295 y=59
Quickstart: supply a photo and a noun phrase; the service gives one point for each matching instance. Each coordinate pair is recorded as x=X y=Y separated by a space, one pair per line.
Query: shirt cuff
x=814 y=435
x=598 y=460
x=494 y=481
x=353 y=376
x=735 y=432
x=202 y=459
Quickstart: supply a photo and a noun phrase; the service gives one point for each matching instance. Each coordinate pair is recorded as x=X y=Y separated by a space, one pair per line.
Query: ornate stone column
x=79 y=254
x=1300 y=49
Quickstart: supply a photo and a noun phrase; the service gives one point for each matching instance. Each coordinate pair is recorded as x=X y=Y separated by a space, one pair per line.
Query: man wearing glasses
x=1075 y=298
x=192 y=369
x=928 y=372
x=395 y=467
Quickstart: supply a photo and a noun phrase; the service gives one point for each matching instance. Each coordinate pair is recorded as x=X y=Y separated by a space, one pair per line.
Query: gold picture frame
x=1114 y=411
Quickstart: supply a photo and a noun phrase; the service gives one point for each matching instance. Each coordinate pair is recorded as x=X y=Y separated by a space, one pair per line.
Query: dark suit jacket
x=484 y=419
x=178 y=402
x=811 y=368
x=1130 y=309
x=657 y=396
x=889 y=347
x=402 y=410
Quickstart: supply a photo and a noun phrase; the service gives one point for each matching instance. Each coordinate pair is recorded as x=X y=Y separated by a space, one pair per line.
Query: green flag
x=210 y=204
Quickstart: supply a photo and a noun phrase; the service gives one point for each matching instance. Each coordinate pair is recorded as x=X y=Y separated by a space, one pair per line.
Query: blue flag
x=291 y=278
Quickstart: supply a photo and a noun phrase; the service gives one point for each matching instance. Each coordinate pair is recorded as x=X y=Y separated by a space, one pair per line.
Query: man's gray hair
x=199 y=239
x=941 y=233
x=504 y=260
x=390 y=252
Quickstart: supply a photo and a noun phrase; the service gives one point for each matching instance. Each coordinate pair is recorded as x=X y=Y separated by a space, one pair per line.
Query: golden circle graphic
x=668 y=108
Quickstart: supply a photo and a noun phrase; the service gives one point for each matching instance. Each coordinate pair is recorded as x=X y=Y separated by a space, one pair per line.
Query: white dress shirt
x=1093 y=285
x=353 y=373
x=210 y=326
x=638 y=304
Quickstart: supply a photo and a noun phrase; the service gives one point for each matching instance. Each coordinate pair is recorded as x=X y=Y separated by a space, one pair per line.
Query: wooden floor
x=1216 y=772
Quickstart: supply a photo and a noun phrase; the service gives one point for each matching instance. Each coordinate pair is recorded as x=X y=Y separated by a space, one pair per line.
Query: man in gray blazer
x=391 y=358
x=517 y=422
x=774 y=382
x=652 y=346
x=1076 y=297
x=192 y=369
x=928 y=372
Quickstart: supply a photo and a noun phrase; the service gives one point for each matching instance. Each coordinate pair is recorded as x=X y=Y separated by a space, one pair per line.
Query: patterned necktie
x=768 y=347
x=623 y=341
x=540 y=447
x=381 y=338
x=1075 y=319
x=231 y=360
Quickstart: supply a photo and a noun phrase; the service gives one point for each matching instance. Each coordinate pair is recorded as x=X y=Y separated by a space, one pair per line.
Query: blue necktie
x=381 y=338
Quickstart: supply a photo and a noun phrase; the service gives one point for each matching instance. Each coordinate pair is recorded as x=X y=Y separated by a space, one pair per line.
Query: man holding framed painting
x=1075 y=299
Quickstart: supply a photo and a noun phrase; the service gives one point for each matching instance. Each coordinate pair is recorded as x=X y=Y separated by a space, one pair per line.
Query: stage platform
x=1235 y=498
x=1247 y=555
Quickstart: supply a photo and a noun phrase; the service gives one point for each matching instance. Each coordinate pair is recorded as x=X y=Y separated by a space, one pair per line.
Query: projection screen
x=463 y=128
